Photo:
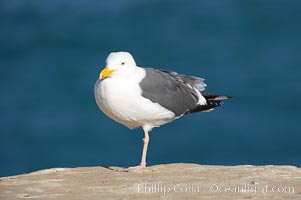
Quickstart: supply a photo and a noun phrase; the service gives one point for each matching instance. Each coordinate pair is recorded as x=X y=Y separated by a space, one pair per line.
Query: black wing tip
x=215 y=103
x=207 y=107
x=209 y=96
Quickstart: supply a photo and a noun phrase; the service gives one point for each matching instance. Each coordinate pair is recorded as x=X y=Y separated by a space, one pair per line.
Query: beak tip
x=105 y=72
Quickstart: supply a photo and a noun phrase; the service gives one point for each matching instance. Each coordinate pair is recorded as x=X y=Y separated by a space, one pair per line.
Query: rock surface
x=171 y=181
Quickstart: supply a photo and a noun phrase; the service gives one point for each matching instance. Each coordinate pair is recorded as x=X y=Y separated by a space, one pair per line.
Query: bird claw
x=130 y=169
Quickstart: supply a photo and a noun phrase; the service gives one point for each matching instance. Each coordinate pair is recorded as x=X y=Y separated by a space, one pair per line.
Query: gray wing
x=196 y=82
x=171 y=90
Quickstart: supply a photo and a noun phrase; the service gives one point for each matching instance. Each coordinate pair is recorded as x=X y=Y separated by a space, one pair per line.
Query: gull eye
x=122 y=63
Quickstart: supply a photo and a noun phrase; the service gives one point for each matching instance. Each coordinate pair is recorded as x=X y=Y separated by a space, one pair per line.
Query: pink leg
x=144 y=152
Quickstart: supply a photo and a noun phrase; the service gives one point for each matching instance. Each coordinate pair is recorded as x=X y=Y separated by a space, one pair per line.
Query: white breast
x=120 y=98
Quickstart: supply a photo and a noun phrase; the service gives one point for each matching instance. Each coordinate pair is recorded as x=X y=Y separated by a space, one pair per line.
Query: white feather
x=121 y=99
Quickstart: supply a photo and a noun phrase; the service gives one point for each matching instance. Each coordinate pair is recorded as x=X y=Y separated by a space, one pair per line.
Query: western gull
x=148 y=97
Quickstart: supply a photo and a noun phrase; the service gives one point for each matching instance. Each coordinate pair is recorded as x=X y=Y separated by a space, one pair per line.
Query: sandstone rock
x=171 y=181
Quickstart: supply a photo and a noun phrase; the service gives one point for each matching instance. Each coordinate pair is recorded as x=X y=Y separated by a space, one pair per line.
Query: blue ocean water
x=51 y=53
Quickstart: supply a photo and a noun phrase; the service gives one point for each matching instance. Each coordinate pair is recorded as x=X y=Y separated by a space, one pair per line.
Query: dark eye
x=122 y=63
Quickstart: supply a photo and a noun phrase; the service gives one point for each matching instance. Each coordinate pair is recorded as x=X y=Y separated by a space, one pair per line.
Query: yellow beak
x=105 y=72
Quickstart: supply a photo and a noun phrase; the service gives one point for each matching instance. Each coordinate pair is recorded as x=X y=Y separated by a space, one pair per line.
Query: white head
x=118 y=63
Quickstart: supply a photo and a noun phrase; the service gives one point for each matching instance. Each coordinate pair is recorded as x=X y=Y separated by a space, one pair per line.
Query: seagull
x=148 y=97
